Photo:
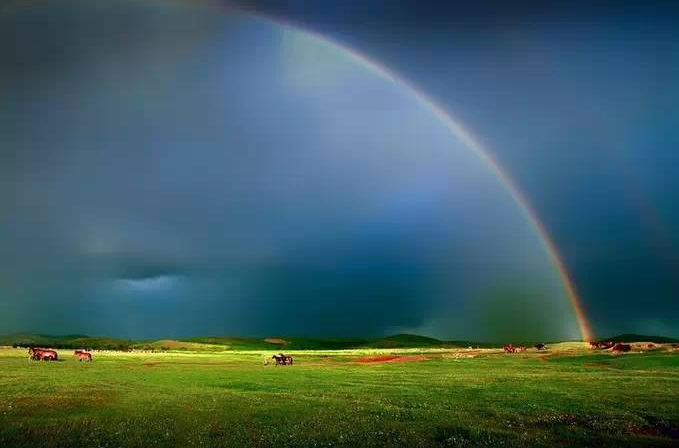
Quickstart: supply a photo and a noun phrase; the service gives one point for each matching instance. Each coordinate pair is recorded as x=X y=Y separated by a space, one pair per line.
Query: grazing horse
x=82 y=354
x=35 y=354
x=540 y=346
x=280 y=359
x=41 y=354
x=49 y=355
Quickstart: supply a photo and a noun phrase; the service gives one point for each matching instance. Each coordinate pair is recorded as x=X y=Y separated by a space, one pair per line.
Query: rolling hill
x=218 y=343
x=65 y=341
x=641 y=338
x=225 y=343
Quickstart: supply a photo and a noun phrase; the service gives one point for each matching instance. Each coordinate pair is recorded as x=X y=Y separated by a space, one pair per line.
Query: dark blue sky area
x=579 y=102
x=175 y=169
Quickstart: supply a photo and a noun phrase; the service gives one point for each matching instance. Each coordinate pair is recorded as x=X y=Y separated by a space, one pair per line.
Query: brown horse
x=42 y=354
x=282 y=360
x=83 y=355
x=35 y=354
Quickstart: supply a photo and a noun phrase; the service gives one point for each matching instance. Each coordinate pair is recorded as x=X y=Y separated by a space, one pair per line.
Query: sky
x=183 y=168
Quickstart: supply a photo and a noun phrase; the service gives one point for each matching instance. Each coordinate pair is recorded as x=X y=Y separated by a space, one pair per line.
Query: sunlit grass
x=456 y=397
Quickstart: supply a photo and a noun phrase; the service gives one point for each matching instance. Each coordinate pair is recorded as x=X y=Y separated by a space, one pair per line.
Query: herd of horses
x=509 y=348
x=44 y=354
x=606 y=345
x=613 y=346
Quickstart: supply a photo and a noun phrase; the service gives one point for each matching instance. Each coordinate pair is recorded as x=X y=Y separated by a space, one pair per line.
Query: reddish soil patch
x=390 y=358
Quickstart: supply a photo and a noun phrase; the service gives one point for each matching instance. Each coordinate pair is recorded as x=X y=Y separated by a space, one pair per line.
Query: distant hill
x=405 y=340
x=281 y=343
x=171 y=344
x=298 y=343
x=641 y=338
x=65 y=341
x=218 y=343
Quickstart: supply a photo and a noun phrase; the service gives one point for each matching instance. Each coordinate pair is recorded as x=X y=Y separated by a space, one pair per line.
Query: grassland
x=567 y=396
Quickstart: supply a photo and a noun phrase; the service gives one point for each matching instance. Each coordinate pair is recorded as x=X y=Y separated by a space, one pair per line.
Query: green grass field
x=567 y=396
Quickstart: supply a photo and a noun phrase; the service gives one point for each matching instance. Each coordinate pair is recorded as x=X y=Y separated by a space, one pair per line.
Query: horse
x=540 y=347
x=280 y=359
x=82 y=354
x=41 y=354
x=33 y=354
x=49 y=355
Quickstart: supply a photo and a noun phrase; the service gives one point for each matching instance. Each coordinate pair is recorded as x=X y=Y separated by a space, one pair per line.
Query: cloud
x=149 y=284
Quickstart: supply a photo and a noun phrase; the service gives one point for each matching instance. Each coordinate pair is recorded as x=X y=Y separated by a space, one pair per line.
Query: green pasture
x=567 y=396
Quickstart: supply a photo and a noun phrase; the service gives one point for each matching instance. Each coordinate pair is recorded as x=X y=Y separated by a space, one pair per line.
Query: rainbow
x=474 y=143
x=456 y=129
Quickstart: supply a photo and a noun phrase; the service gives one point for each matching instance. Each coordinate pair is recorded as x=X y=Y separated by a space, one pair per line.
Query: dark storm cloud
x=220 y=175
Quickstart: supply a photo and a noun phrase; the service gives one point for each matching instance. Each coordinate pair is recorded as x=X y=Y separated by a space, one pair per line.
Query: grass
x=568 y=396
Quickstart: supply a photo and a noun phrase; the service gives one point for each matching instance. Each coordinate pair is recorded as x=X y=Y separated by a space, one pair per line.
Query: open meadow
x=567 y=395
